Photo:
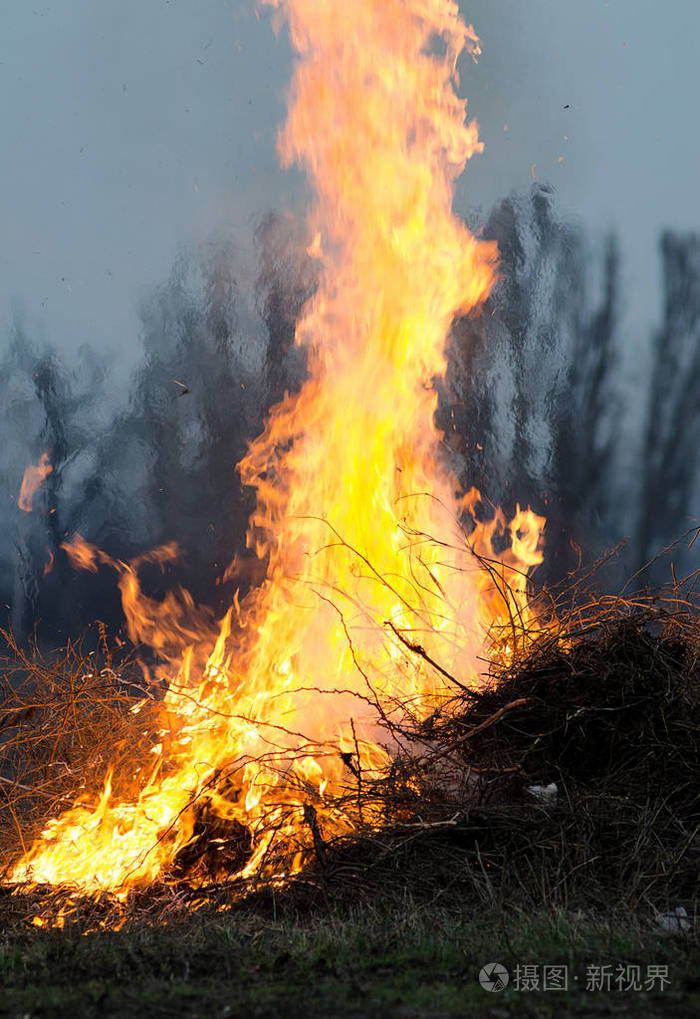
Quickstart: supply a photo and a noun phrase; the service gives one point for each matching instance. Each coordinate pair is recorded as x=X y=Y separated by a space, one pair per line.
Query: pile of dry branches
x=64 y=720
x=570 y=779
x=573 y=778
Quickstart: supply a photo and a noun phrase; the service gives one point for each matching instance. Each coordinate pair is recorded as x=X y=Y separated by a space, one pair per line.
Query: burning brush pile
x=340 y=708
x=569 y=779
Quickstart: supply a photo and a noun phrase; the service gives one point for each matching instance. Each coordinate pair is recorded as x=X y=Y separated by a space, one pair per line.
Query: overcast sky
x=130 y=127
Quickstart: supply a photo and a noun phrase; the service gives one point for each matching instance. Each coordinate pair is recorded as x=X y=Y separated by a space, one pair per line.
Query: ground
x=398 y=959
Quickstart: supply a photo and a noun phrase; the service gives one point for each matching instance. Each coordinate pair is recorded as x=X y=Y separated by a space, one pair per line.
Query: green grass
x=400 y=959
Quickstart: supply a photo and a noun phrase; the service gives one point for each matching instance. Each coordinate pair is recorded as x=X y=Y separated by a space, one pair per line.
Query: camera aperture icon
x=493 y=976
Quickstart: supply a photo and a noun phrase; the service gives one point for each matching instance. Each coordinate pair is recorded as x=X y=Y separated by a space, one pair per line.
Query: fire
x=34 y=477
x=371 y=573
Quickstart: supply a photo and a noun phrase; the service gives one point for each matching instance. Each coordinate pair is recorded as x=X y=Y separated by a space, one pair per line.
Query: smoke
x=535 y=409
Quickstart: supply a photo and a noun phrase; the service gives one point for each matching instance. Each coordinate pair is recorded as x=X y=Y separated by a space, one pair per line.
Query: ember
x=34 y=478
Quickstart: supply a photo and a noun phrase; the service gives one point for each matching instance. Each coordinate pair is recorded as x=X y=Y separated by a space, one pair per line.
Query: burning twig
x=358 y=772
x=416 y=649
x=319 y=845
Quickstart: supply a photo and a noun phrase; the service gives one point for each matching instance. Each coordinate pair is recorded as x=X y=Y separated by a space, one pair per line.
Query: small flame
x=34 y=477
x=372 y=553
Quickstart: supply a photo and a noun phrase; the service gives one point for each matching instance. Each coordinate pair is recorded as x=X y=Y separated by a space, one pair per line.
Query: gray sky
x=132 y=126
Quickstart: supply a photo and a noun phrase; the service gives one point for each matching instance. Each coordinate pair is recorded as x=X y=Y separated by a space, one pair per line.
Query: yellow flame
x=357 y=514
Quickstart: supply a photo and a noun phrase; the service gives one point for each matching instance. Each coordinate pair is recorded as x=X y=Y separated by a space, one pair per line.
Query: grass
x=391 y=958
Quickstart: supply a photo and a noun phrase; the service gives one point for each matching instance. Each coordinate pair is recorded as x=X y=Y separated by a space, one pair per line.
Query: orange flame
x=357 y=513
x=34 y=478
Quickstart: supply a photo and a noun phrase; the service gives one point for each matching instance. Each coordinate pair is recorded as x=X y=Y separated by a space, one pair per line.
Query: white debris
x=544 y=793
x=674 y=922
